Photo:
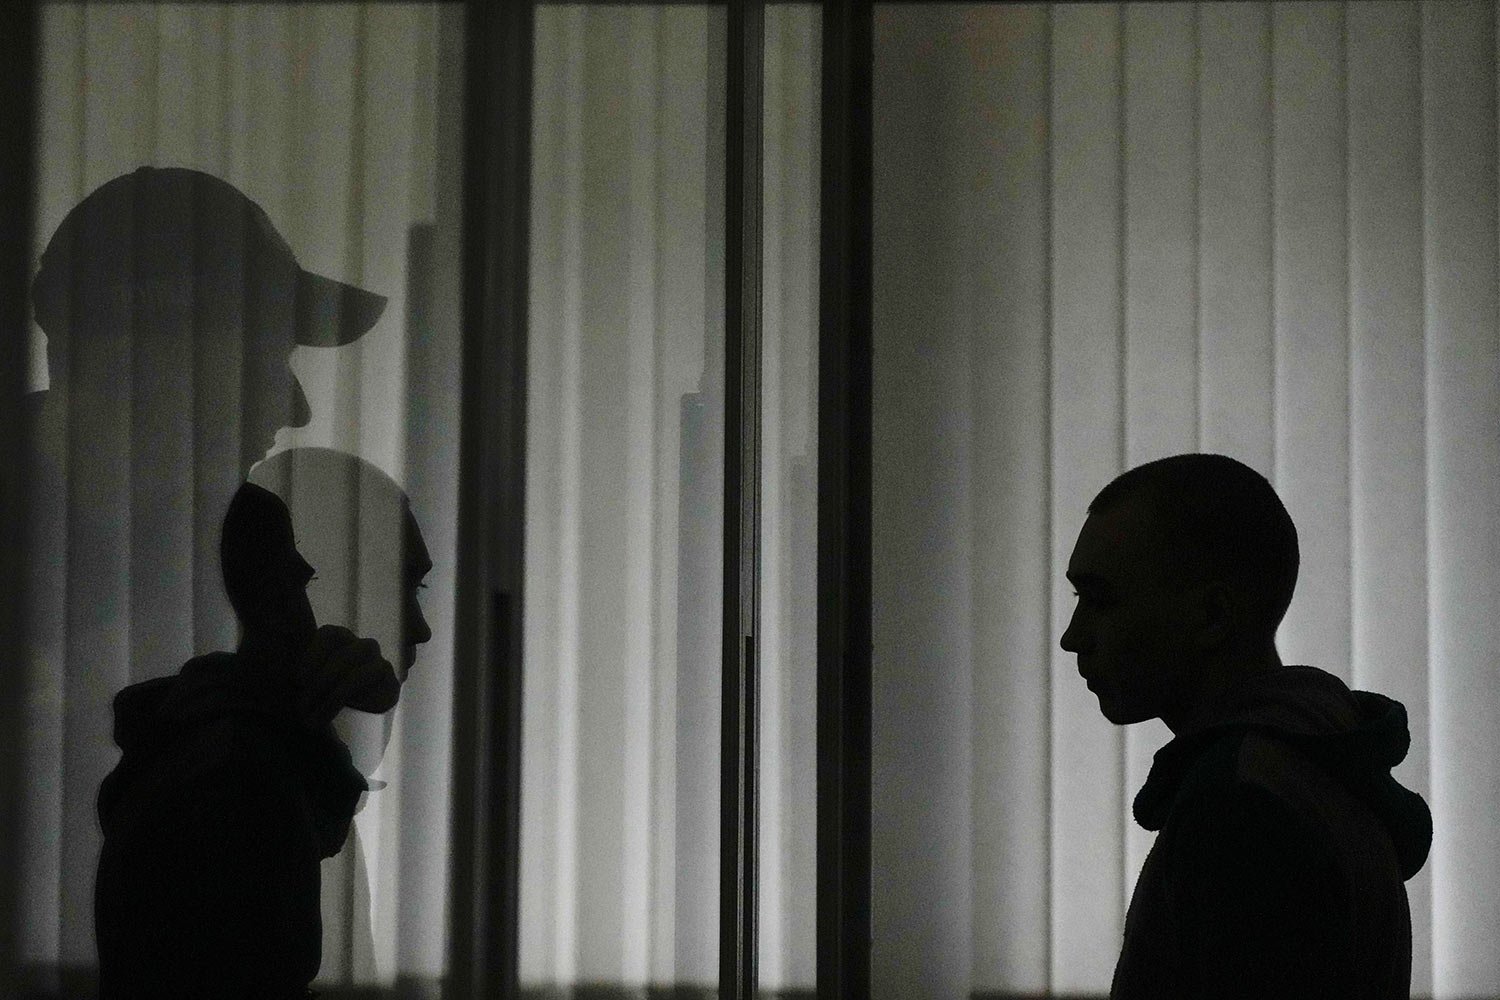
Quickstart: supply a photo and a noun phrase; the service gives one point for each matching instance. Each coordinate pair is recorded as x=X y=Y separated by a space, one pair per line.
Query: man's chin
x=1120 y=715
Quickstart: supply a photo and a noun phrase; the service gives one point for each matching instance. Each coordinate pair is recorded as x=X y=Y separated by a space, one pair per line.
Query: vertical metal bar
x=18 y=72
x=742 y=289
x=844 y=505
x=485 y=937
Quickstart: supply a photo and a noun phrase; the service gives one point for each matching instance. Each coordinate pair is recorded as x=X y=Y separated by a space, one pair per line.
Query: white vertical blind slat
x=788 y=788
x=647 y=522
x=1002 y=292
x=1161 y=289
x=1388 y=546
x=1346 y=193
x=1311 y=325
x=60 y=140
x=1463 y=468
x=1087 y=421
x=544 y=886
x=97 y=661
x=605 y=667
x=1234 y=176
x=691 y=310
x=922 y=511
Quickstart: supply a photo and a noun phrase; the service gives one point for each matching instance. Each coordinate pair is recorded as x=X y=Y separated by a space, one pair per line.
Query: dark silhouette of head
x=356 y=528
x=264 y=575
x=1184 y=569
x=1223 y=520
x=181 y=264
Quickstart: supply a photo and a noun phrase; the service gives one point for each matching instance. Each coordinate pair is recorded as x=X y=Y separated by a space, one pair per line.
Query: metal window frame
x=739 y=789
x=19 y=41
x=844 y=498
x=484 y=877
x=845 y=353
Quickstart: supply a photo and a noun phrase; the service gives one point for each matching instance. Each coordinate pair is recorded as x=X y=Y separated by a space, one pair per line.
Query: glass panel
x=624 y=506
x=789 y=501
x=1111 y=233
x=208 y=176
x=961 y=565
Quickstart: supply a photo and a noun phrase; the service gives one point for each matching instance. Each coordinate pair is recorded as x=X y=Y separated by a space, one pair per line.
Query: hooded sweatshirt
x=1282 y=850
x=215 y=821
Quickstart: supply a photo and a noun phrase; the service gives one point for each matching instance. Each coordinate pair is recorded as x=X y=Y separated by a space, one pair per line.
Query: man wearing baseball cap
x=179 y=259
x=171 y=305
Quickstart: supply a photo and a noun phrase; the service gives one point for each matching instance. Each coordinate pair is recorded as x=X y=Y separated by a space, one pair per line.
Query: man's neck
x=266 y=650
x=1220 y=677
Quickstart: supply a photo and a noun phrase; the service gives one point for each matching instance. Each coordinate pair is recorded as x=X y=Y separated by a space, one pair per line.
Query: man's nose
x=417 y=629
x=1069 y=641
x=301 y=412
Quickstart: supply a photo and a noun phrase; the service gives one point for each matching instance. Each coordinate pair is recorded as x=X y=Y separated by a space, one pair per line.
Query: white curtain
x=624 y=504
x=342 y=123
x=625 y=500
x=1107 y=233
x=789 y=497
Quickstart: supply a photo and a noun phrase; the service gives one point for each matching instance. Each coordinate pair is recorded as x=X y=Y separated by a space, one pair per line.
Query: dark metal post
x=742 y=285
x=18 y=72
x=844 y=506
x=485 y=943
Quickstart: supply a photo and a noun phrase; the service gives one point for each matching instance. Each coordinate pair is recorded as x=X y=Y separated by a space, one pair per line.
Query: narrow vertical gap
x=844 y=648
x=1123 y=341
x=1274 y=327
x=1197 y=247
x=1048 y=473
x=60 y=396
x=1349 y=354
x=661 y=775
x=355 y=232
x=739 y=766
x=1420 y=17
x=484 y=890
x=152 y=102
x=19 y=76
x=132 y=530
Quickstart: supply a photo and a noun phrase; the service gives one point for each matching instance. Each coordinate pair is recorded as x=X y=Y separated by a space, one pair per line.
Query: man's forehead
x=418 y=559
x=1118 y=540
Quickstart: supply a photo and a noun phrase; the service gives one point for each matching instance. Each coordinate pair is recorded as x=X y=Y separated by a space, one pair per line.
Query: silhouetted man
x=355 y=524
x=1284 y=840
x=171 y=305
x=233 y=787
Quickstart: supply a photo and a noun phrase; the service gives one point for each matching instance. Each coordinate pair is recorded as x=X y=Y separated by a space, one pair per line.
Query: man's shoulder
x=1247 y=795
x=230 y=757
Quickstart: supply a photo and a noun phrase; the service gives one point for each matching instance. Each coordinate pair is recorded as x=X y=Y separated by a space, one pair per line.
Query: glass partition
x=1108 y=233
x=247 y=250
x=788 y=500
x=625 y=502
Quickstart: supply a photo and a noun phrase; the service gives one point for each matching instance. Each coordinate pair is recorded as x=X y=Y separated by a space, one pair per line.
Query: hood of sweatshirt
x=220 y=709
x=1356 y=736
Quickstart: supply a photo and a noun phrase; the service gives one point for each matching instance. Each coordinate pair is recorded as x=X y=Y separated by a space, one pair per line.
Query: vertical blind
x=624 y=499
x=620 y=811
x=341 y=122
x=1107 y=233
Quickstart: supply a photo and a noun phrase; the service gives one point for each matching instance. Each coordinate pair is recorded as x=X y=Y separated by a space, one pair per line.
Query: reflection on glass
x=624 y=507
x=789 y=508
x=185 y=333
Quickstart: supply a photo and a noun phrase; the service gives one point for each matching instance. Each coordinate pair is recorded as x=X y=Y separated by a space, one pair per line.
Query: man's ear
x=1219 y=610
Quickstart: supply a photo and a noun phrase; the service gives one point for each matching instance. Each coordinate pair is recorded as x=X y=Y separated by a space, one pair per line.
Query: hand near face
x=337 y=670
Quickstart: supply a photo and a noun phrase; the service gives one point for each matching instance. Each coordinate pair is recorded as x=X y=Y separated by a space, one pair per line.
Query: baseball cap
x=172 y=223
